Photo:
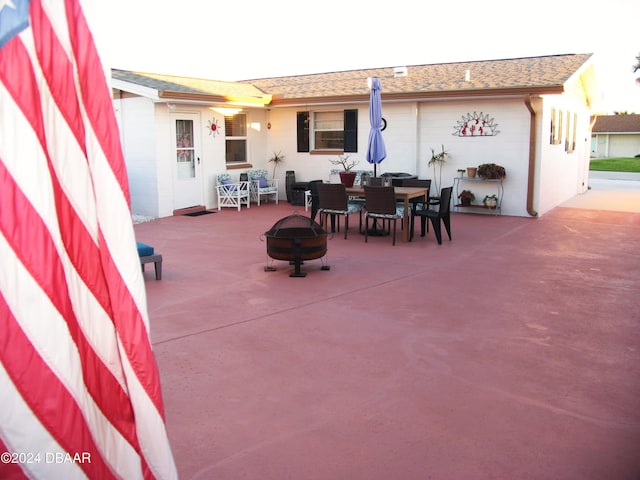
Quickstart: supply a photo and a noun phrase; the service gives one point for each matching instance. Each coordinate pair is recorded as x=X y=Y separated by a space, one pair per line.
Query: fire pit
x=296 y=238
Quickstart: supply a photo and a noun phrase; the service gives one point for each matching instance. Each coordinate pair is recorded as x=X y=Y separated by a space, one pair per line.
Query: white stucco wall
x=561 y=175
x=413 y=128
x=137 y=132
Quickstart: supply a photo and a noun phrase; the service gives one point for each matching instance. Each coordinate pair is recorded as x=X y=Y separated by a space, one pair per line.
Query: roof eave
x=260 y=101
x=418 y=96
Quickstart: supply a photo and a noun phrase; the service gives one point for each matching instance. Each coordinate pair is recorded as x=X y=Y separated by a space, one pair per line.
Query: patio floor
x=512 y=351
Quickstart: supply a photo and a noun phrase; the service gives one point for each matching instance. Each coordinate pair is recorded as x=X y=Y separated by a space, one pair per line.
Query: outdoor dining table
x=402 y=193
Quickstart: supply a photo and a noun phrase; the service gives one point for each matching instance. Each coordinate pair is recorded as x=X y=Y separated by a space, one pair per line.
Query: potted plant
x=491 y=171
x=461 y=172
x=466 y=196
x=490 y=201
x=471 y=172
x=347 y=177
x=436 y=161
x=277 y=159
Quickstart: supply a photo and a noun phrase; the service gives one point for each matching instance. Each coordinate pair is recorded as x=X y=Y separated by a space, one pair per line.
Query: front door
x=186 y=156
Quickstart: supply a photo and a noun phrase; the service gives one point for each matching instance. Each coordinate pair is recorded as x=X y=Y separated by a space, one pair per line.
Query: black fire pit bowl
x=296 y=238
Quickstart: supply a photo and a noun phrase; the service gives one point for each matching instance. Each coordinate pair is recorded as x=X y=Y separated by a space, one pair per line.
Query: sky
x=241 y=40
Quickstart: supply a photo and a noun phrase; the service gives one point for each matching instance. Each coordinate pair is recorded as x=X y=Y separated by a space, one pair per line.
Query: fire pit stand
x=296 y=238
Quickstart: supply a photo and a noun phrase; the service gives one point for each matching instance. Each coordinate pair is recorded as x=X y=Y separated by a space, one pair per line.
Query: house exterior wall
x=561 y=174
x=413 y=129
x=136 y=121
x=148 y=148
x=615 y=145
x=509 y=148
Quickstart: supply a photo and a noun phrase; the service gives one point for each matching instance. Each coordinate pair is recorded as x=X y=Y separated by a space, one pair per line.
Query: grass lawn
x=615 y=164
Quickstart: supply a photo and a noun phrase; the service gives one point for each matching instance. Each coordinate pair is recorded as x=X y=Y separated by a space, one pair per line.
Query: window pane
x=184 y=133
x=185 y=154
x=236 y=151
x=329 y=121
x=329 y=140
x=236 y=125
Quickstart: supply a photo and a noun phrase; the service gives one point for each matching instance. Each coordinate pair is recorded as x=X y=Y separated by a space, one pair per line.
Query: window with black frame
x=333 y=131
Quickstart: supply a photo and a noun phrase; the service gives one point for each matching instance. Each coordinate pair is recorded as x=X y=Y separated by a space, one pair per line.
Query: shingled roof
x=535 y=75
x=617 y=124
x=546 y=74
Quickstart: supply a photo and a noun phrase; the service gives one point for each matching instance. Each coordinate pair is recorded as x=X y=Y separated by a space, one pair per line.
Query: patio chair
x=313 y=186
x=332 y=200
x=260 y=185
x=380 y=203
x=417 y=203
x=232 y=194
x=442 y=215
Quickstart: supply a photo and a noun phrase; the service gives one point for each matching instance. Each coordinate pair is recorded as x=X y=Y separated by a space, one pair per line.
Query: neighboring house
x=179 y=133
x=616 y=136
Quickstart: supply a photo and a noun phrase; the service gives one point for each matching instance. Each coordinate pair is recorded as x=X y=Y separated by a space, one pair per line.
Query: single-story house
x=616 y=136
x=530 y=115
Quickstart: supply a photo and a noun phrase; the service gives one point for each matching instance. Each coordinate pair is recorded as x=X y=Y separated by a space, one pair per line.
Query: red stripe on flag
x=46 y=396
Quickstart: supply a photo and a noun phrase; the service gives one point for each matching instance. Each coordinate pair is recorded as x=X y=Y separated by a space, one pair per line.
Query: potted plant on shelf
x=277 y=159
x=436 y=161
x=491 y=171
x=461 y=172
x=471 y=172
x=490 y=201
x=466 y=196
x=347 y=177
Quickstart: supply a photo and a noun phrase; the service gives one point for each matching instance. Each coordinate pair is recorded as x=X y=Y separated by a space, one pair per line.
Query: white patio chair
x=260 y=185
x=232 y=194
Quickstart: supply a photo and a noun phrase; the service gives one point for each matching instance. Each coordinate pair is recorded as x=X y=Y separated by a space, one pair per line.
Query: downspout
x=532 y=157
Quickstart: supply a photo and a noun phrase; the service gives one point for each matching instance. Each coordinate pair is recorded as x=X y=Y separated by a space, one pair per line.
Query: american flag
x=79 y=385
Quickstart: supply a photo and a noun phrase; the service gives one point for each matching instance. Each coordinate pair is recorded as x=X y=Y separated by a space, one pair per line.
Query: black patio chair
x=333 y=200
x=380 y=203
x=443 y=214
x=313 y=186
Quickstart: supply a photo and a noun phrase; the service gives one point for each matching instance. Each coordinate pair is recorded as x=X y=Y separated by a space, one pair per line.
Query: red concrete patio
x=512 y=352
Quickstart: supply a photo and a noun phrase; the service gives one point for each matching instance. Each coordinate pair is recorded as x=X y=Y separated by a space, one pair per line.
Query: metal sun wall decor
x=213 y=127
x=476 y=125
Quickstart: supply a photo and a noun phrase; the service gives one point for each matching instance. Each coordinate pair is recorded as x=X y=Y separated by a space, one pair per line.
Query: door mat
x=197 y=214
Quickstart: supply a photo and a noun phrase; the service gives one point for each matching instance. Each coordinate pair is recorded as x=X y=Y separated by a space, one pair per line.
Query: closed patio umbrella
x=376 y=151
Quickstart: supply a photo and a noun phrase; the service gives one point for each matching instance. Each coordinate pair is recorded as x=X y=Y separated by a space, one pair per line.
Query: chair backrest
x=414 y=182
x=380 y=200
x=313 y=186
x=445 y=201
x=332 y=196
x=257 y=174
